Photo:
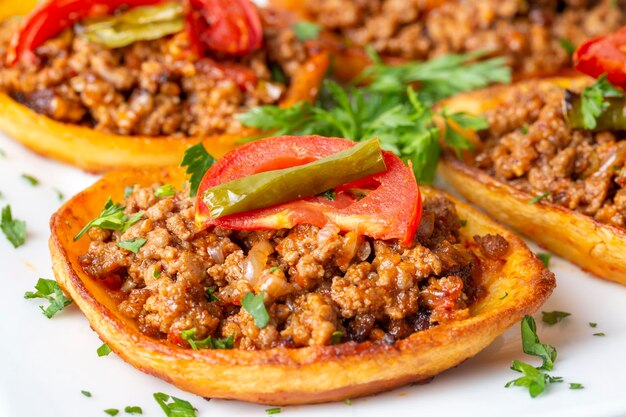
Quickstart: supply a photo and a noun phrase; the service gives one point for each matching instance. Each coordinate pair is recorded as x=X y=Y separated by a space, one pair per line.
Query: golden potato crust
x=284 y=376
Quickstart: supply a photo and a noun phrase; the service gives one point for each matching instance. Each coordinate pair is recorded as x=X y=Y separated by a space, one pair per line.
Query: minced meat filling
x=530 y=146
x=150 y=88
x=528 y=33
x=320 y=286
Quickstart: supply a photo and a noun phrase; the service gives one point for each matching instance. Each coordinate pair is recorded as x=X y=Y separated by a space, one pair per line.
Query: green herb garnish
x=132 y=245
x=198 y=161
x=347 y=401
x=31 y=180
x=539 y=198
x=545 y=258
x=166 y=190
x=506 y=294
x=112 y=411
x=255 y=306
x=86 y=394
x=593 y=325
x=533 y=378
x=13 y=229
x=599 y=334
x=336 y=338
x=593 y=102
x=210 y=293
x=532 y=345
x=133 y=410
x=103 y=350
x=128 y=191
x=112 y=217
x=567 y=46
x=156 y=273
x=306 y=30
x=553 y=317
x=174 y=407
x=208 y=343
x=330 y=195
x=271 y=411
x=60 y=194
x=576 y=385
x=48 y=289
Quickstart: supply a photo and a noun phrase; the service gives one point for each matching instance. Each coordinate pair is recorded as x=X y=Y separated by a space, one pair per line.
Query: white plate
x=44 y=364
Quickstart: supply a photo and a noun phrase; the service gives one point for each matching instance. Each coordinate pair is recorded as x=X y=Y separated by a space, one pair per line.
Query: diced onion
x=327 y=232
x=216 y=253
x=256 y=261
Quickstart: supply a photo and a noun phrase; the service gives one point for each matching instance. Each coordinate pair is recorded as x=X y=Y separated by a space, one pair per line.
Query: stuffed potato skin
x=96 y=151
x=294 y=376
x=596 y=247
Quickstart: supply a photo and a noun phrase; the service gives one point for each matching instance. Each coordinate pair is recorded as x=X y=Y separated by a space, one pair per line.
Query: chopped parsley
x=463 y=121
x=112 y=217
x=532 y=345
x=86 y=393
x=156 y=273
x=112 y=411
x=593 y=325
x=31 y=180
x=132 y=245
x=545 y=258
x=277 y=74
x=48 y=289
x=599 y=334
x=210 y=293
x=198 y=161
x=463 y=222
x=13 y=229
x=576 y=385
x=347 y=401
x=255 y=306
x=506 y=294
x=533 y=378
x=271 y=411
x=174 y=407
x=103 y=350
x=208 y=343
x=128 y=191
x=306 y=30
x=553 y=317
x=593 y=102
x=539 y=198
x=166 y=190
x=336 y=338
x=133 y=410
x=274 y=269
x=59 y=194
x=567 y=46
x=330 y=195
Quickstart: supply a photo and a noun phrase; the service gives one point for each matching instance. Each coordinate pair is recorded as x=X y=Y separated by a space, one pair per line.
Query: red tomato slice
x=604 y=55
x=51 y=17
x=229 y=26
x=392 y=210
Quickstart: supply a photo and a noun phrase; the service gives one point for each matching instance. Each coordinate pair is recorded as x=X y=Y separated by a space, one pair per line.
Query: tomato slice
x=390 y=210
x=229 y=26
x=51 y=17
x=604 y=55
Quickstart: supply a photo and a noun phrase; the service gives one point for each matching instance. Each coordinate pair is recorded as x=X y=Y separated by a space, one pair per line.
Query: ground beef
x=530 y=146
x=152 y=88
x=528 y=33
x=321 y=286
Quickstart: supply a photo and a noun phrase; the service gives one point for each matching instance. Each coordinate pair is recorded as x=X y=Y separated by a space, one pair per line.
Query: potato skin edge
x=295 y=376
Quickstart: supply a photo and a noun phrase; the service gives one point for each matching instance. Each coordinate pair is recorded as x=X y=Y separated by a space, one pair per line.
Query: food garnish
x=532 y=345
x=103 y=350
x=553 y=317
x=604 y=55
x=545 y=258
x=132 y=245
x=270 y=188
x=576 y=385
x=255 y=306
x=198 y=161
x=390 y=210
x=208 y=342
x=48 y=289
x=599 y=334
x=86 y=393
x=174 y=407
x=306 y=30
x=112 y=411
x=112 y=217
x=540 y=197
x=593 y=325
x=272 y=411
x=599 y=107
x=166 y=190
x=534 y=379
x=133 y=410
x=31 y=180
x=13 y=229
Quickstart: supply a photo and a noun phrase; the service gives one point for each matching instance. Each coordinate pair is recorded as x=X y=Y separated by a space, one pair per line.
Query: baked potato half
x=97 y=151
x=596 y=247
x=282 y=376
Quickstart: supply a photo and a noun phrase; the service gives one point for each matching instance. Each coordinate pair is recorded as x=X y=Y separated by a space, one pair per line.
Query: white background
x=44 y=364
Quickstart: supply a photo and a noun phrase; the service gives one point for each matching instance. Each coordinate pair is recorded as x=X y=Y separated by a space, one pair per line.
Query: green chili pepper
x=613 y=116
x=137 y=24
x=271 y=188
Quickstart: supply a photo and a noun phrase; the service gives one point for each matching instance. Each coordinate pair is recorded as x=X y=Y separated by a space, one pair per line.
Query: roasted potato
x=305 y=375
x=596 y=247
x=97 y=151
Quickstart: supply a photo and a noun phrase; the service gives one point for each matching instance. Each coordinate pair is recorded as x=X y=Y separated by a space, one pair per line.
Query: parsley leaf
x=112 y=411
x=210 y=293
x=567 y=46
x=545 y=258
x=271 y=411
x=103 y=350
x=576 y=385
x=306 y=30
x=166 y=190
x=553 y=317
x=48 y=289
x=592 y=324
x=602 y=334
x=132 y=245
x=31 y=180
x=462 y=121
x=86 y=393
x=593 y=101
x=533 y=379
x=539 y=198
x=208 y=343
x=532 y=345
x=13 y=229
x=255 y=306
x=198 y=161
x=330 y=195
x=112 y=217
x=347 y=401
x=174 y=407
x=336 y=338
x=133 y=410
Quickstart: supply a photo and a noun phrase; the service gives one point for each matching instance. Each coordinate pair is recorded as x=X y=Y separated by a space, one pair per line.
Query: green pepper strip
x=613 y=118
x=138 y=24
x=271 y=188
